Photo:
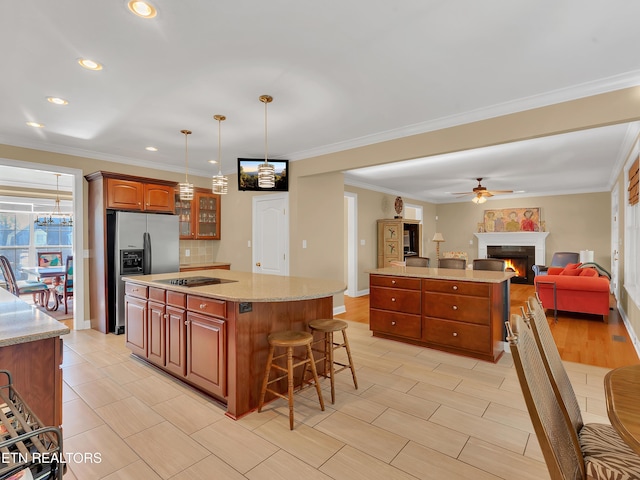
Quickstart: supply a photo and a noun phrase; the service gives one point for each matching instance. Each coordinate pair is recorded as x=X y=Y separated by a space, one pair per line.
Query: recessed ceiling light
x=35 y=124
x=151 y=149
x=57 y=101
x=142 y=9
x=213 y=161
x=89 y=64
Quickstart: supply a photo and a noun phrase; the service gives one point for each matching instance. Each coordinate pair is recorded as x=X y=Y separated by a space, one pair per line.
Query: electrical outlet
x=187 y=253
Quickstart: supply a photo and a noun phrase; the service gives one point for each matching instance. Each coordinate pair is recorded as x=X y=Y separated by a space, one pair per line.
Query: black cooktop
x=195 y=281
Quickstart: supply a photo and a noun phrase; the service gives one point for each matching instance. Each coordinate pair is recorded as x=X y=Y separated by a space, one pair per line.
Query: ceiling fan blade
x=498 y=192
x=463 y=193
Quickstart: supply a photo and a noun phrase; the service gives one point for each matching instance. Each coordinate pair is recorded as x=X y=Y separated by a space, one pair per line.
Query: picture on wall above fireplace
x=512 y=220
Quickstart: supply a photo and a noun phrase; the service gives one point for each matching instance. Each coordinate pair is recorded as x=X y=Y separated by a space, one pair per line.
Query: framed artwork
x=512 y=220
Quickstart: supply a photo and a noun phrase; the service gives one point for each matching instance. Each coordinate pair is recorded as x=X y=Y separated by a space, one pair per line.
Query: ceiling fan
x=481 y=193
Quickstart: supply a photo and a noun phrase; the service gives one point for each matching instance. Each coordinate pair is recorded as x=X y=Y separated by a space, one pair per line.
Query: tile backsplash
x=200 y=251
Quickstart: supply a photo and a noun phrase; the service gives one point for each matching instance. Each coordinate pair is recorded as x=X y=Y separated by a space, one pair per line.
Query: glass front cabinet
x=200 y=217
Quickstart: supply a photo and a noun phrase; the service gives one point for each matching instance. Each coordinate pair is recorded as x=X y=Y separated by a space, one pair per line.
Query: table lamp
x=438 y=238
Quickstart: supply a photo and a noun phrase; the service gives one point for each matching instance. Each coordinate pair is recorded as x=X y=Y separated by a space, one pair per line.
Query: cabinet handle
x=203 y=306
x=393 y=323
x=393 y=282
x=187 y=322
x=455 y=307
x=455 y=287
x=455 y=334
x=393 y=299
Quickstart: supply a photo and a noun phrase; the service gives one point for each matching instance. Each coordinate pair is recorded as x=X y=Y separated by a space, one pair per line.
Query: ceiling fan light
x=479 y=199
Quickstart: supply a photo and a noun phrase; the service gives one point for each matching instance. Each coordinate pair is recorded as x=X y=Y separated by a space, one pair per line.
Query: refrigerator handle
x=146 y=259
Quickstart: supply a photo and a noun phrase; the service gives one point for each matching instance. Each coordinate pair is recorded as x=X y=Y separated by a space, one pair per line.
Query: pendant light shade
x=56 y=217
x=219 y=183
x=186 y=188
x=479 y=199
x=266 y=170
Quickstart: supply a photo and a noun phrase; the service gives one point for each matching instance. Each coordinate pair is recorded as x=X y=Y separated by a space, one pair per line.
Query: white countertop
x=21 y=322
x=484 y=276
x=248 y=287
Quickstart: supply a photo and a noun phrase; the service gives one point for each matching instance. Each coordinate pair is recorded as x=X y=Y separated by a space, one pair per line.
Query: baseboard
x=630 y=331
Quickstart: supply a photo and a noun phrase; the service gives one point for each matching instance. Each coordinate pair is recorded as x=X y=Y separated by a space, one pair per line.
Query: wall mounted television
x=248 y=175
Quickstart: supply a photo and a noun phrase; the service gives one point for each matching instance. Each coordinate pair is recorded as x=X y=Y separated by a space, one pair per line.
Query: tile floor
x=418 y=414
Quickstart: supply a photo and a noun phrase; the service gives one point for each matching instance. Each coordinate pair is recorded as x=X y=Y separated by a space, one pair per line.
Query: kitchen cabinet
x=110 y=191
x=457 y=316
x=200 y=217
x=183 y=334
x=176 y=333
x=397 y=239
x=140 y=196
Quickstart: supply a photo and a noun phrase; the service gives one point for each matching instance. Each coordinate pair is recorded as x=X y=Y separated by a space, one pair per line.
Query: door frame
x=80 y=322
x=352 y=243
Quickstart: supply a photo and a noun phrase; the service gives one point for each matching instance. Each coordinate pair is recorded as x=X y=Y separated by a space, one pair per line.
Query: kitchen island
x=214 y=336
x=31 y=349
x=458 y=311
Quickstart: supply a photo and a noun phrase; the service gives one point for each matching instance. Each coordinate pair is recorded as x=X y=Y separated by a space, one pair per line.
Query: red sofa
x=578 y=289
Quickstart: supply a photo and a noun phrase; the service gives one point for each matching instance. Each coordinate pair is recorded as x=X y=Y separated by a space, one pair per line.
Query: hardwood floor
x=580 y=338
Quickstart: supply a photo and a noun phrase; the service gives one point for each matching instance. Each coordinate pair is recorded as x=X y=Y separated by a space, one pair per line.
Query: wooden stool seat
x=329 y=326
x=289 y=340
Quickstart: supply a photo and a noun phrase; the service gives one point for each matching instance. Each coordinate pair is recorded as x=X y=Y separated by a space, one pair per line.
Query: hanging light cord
x=219 y=147
x=186 y=156
x=266 y=145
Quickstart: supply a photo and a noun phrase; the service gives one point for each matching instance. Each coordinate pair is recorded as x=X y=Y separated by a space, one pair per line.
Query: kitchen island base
x=218 y=346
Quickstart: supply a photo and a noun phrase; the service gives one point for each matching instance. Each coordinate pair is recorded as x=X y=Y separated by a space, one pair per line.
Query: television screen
x=248 y=175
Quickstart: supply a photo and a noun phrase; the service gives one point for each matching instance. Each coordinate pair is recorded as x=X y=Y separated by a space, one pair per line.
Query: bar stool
x=289 y=340
x=328 y=327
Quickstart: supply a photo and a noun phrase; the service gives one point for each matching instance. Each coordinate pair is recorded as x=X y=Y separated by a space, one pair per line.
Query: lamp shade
x=437 y=237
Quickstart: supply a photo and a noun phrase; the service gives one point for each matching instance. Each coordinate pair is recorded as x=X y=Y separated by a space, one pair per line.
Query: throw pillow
x=588 y=272
x=572 y=272
x=571 y=266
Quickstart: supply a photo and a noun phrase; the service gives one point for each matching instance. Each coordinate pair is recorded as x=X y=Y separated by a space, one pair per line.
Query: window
x=632 y=233
x=21 y=239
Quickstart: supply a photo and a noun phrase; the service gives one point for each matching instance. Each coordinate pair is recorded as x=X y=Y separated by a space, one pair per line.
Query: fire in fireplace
x=518 y=258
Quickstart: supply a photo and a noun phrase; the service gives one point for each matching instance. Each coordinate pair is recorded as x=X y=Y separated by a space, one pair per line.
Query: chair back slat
x=457 y=263
x=9 y=276
x=557 y=439
x=493 y=264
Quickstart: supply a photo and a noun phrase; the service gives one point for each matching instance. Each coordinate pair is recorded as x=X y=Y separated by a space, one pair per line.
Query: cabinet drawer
x=176 y=299
x=457 y=307
x=208 y=306
x=156 y=294
x=394 y=282
x=458 y=335
x=400 y=324
x=406 y=301
x=134 y=290
x=461 y=288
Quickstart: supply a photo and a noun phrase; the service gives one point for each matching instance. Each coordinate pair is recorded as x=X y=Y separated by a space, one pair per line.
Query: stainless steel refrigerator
x=139 y=244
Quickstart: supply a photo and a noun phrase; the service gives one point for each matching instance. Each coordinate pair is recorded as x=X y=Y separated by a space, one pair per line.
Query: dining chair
x=595 y=452
x=23 y=287
x=457 y=263
x=493 y=264
x=49 y=259
x=64 y=291
x=417 y=261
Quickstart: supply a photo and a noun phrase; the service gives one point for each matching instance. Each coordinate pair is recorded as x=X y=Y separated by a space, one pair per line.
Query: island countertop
x=247 y=287
x=483 y=276
x=21 y=322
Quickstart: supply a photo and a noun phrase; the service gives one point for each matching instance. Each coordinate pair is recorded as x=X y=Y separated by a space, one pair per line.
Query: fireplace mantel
x=535 y=239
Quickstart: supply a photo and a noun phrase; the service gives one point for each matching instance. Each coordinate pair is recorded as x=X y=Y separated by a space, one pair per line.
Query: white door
x=271 y=234
x=614 y=243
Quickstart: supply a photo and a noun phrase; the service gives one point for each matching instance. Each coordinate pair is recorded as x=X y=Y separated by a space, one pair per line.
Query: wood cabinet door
x=135 y=319
x=124 y=194
x=156 y=333
x=207 y=216
x=159 y=198
x=206 y=353
x=176 y=340
x=185 y=209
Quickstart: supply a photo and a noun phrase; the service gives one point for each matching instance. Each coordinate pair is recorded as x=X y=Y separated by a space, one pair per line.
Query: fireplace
x=519 y=258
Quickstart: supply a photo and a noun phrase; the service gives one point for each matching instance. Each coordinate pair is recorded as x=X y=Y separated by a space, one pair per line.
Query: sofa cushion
x=572 y=266
x=572 y=272
x=588 y=272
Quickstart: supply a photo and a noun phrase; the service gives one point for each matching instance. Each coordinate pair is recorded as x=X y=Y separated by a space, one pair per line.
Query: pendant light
x=266 y=171
x=186 y=188
x=56 y=217
x=220 y=183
